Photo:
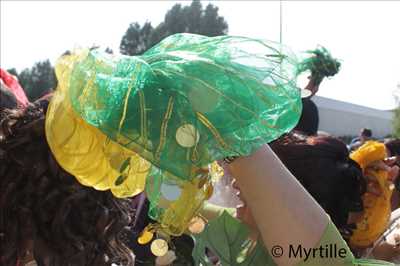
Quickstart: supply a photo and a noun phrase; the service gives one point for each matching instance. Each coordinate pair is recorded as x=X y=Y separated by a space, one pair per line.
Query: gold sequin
x=159 y=247
x=196 y=225
x=145 y=237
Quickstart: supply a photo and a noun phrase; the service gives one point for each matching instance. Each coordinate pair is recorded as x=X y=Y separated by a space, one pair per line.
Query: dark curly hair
x=323 y=167
x=393 y=146
x=45 y=214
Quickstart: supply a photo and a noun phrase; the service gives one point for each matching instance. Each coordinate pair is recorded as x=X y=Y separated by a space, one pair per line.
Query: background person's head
x=323 y=167
x=365 y=134
x=45 y=214
x=393 y=147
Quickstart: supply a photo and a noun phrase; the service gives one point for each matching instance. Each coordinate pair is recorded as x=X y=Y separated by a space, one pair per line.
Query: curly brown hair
x=45 y=214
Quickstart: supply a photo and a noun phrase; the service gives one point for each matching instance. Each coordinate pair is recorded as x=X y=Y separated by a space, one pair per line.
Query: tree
x=108 y=50
x=213 y=24
x=12 y=71
x=38 y=80
x=191 y=19
x=396 y=122
x=136 y=39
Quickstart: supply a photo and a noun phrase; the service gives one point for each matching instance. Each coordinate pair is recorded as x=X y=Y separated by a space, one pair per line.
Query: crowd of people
x=65 y=201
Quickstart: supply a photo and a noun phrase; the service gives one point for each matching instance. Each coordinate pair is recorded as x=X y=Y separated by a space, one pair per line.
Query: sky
x=364 y=35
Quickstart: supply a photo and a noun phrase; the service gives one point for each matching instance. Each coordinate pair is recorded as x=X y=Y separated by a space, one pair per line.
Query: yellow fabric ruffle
x=85 y=152
x=370 y=152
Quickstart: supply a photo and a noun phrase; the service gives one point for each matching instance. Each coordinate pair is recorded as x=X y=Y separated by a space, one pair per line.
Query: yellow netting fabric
x=84 y=151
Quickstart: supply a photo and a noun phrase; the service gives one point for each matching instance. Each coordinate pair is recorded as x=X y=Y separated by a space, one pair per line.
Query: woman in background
x=323 y=167
x=46 y=216
x=393 y=148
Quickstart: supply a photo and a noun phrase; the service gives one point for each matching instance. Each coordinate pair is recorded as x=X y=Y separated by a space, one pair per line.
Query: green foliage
x=37 y=80
x=227 y=238
x=108 y=50
x=212 y=24
x=396 y=122
x=190 y=19
x=137 y=39
x=396 y=113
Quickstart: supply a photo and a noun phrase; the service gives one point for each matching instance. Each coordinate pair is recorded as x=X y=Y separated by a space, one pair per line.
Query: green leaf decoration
x=228 y=239
x=120 y=179
x=124 y=165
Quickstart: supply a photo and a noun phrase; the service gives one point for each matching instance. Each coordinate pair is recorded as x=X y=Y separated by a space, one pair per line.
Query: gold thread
x=85 y=92
x=143 y=118
x=227 y=98
x=164 y=125
x=213 y=130
x=121 y=122
x=195 y=155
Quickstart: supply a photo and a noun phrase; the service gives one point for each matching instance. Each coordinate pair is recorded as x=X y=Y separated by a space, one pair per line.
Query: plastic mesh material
x=320 y=63
x=174 y=202
x=190 y=100
x=185 y=103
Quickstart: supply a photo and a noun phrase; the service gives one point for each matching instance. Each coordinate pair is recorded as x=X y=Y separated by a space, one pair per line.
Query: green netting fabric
x=156 y=122
x=190 y=100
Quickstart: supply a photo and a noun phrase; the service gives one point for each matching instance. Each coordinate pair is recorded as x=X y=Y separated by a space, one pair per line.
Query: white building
x=341 y=118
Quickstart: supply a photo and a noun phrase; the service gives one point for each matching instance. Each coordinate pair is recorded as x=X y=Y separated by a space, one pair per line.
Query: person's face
x=362 y=135
x=243 y=213
x=390 y=165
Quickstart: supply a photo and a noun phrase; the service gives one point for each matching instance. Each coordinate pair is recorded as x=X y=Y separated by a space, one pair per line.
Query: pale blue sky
x=363 y=34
